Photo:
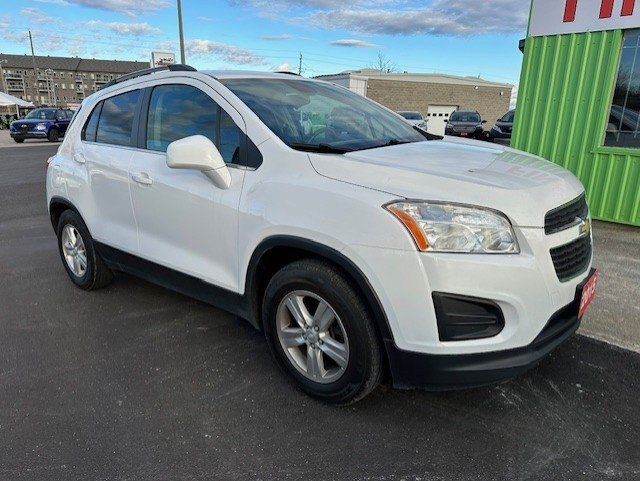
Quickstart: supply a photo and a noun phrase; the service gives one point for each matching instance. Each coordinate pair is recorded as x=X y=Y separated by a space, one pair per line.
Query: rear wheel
x=83 y=264
x=53 y=135
x=321 y=332
x=18 y=141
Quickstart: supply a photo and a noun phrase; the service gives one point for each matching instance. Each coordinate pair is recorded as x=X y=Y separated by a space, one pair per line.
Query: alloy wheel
x=74 y=250
x=312 y=336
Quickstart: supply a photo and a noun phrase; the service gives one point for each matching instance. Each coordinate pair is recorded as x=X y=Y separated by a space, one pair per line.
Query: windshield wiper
x=389 y=144
x=320 y=148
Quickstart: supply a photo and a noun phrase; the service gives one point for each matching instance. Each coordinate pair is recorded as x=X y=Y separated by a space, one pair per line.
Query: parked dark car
x=44 y=123
x=465 y=123
x=504 y=126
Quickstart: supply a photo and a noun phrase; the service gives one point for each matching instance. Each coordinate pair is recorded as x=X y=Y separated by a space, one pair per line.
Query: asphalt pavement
x=135 y=382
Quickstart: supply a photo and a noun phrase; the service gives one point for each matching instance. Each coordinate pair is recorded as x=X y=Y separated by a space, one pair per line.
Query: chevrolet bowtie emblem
x=585 y=226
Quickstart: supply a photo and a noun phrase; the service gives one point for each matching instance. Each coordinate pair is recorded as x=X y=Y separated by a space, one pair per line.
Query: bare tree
x=383 y=63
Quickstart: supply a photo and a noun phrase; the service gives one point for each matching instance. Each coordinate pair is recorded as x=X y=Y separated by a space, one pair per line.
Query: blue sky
x=462 y=37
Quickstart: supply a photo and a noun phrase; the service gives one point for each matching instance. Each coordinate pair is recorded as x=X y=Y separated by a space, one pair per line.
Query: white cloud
x=131 y=8
x=60 y=3
x=35 y=15
x=444 y=17
x=277 y=37
x=285 y=67
x=350 y=42
x=223 y=51
x=123 y=28
x=401 y=17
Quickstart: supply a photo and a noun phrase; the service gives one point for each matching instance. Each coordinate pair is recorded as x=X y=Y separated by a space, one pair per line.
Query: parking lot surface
x=137 y=382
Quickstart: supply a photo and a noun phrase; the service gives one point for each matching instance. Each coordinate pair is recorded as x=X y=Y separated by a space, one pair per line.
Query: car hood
x=521 y=185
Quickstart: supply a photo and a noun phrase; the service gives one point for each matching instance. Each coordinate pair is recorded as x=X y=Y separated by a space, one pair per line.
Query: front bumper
x=475 y=134
x=449 y=372
x=35 y=134
x=499 y=135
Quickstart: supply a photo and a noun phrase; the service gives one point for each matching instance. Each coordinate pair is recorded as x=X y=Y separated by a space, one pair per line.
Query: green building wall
x=564 y=99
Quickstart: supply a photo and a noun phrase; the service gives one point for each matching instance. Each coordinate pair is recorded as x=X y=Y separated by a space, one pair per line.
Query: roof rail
x=290 y=73
x=139 y=73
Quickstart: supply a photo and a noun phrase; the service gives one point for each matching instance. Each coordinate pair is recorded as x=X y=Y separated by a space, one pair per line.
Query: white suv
x=365 y=249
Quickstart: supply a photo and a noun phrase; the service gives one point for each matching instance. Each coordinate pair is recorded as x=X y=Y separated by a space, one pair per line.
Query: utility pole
x=300 y=65
x=35 y=68
x=181 y=33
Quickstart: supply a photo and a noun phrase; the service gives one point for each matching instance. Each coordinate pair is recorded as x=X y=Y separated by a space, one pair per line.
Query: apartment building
x=59 y=81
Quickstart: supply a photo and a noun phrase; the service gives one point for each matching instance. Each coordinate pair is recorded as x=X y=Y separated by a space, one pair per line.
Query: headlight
x=441 y=227
x=41 y=127
x=497 y=128
x=449 y=126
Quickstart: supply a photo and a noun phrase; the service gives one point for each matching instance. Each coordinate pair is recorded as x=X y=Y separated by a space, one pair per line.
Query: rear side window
x=179 y=111
x=116 y=119
x=91 y=127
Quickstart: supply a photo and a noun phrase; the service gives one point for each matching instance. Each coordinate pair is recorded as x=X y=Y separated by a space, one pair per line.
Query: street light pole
x=181 y=33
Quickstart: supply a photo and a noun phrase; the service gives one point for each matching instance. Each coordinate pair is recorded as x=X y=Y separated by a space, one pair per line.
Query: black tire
x=18 y=141
x=53 y=135
x=97 y=274
x=363 y=371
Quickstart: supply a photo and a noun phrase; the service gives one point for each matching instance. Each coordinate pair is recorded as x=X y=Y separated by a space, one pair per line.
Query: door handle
x=79 y=158
x=142 y=178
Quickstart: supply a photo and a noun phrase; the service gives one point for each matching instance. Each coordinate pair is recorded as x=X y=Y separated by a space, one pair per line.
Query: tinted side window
x=91 y=127
x=179 y=111
x=116 y=120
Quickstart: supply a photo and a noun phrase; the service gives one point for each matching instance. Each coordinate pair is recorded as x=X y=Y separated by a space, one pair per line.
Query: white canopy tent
x=7 y=100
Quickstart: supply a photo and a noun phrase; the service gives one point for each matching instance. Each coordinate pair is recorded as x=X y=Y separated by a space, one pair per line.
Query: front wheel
x=53 y=135
x=321 y=332
x=18 y=141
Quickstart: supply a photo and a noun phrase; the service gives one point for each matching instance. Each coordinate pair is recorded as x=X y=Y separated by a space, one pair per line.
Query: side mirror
x=484 y=121
x=446 y=120
x=199 y=153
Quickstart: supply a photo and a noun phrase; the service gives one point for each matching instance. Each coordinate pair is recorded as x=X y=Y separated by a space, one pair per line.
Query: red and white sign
x=555 y=17
x=162 y=59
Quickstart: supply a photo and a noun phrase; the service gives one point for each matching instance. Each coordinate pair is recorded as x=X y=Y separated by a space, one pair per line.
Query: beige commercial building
x=60 y=81
x=435 y=96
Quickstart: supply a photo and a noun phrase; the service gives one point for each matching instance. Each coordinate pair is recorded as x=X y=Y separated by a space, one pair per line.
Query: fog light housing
x=463 y=318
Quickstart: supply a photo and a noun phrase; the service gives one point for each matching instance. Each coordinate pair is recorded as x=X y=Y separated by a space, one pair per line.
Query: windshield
x=411 y=115
x=471 y=117
x=320 y=117
x=508 y=117
x=42 y=114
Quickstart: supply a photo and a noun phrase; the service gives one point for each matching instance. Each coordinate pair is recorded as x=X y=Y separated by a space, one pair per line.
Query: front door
x=184 y=221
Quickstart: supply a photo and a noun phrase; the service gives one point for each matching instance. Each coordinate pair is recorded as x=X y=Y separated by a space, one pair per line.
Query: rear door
x=184 y=221
x=106 y=149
